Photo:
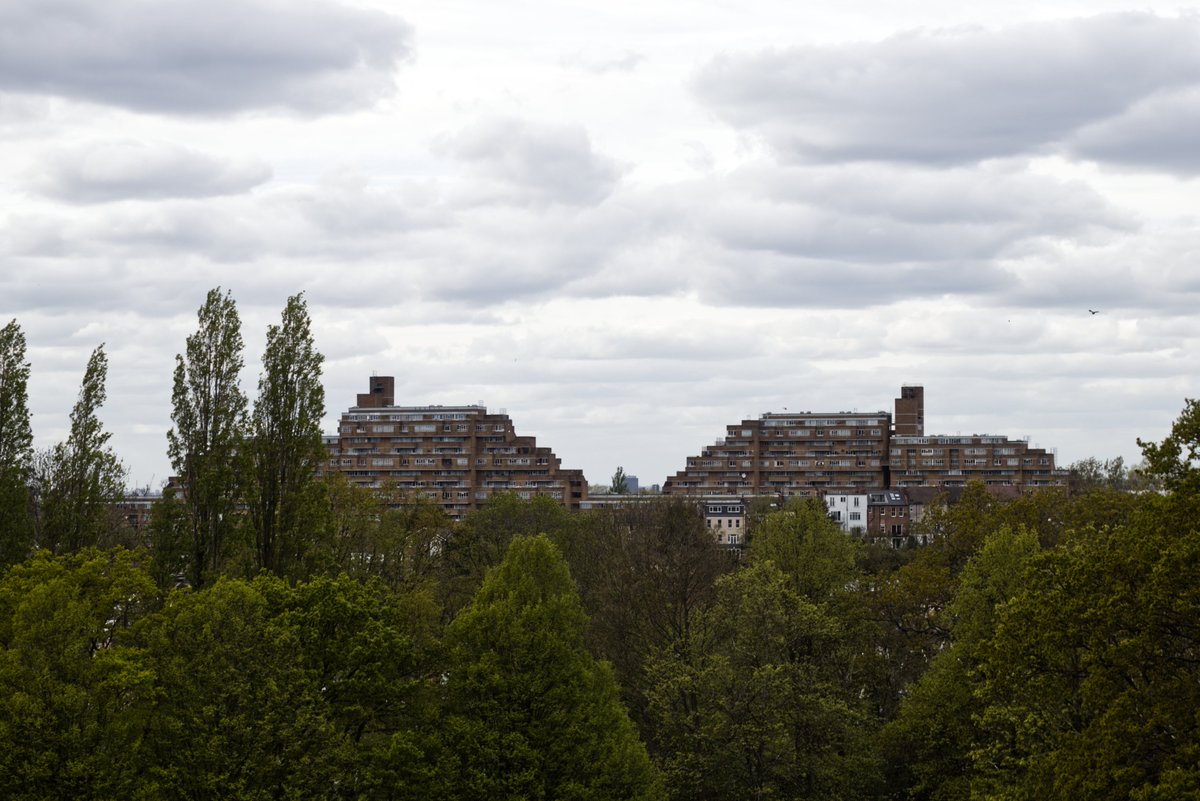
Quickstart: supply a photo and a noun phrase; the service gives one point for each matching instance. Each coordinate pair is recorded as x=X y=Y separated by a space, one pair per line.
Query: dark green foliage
x=619 y=486
x=1038 y=648
x=74 y=697
x=209 y=416
x=644 y=571
x=170 y=535
x=376 y=657
x=1091 y=681
x=83 y=476
x=932 y=740
x=480 y=541
x=1176 y=460
x=16 y=447
x=1091 y=474
x=532 y=714
x=761 y=702
x=398 y=541
x=265 y=690
x=239 y=715
x=285 y=446
x=810 y=549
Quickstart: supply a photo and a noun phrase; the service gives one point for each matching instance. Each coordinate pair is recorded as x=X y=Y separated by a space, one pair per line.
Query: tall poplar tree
x=84 y=476
x=16 y=447
x=285 y=445
x=209 y=413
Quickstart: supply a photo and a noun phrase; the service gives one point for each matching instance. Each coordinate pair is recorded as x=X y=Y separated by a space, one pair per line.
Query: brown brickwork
x=786 y=454
x=457 y=455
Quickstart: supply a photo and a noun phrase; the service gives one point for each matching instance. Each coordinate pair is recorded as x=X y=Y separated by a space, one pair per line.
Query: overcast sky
x=626 y=224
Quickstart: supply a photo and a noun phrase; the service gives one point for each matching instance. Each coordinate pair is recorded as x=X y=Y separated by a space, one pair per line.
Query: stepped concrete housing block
x=784 y=454
x=457 y=455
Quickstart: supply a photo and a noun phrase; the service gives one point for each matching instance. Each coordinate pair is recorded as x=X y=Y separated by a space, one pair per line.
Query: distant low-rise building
x=848 y=510
x=887 y=516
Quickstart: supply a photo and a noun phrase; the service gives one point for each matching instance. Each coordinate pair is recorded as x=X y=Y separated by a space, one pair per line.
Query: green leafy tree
x=531 y=713
x=376 y=656
x=84 y=476
x=910 y=604
x=351 y=519
x=285 y=442
x=1090 y=682
x=239 y=712
x=759 y=702
x=931 y=743
x=1092 y=474
x=1176 y=460
x=75 y=696
x=481 y=539
x=169 y=534
x=645 y=571
x=16 y=447
x=209 y=416
x=404 y=544
x=803 y=542
x=619 y=485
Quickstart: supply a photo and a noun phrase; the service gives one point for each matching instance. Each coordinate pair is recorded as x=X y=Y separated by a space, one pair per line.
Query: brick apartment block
x=456 y=455
x=844 y=453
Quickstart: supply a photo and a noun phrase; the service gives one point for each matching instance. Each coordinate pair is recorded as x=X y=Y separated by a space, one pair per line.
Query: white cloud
x=601 y=63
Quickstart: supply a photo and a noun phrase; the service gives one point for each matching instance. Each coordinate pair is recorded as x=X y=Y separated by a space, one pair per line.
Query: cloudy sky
x=626 y=224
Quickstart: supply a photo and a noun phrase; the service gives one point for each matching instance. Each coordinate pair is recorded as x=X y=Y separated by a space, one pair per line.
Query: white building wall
x=848 y=511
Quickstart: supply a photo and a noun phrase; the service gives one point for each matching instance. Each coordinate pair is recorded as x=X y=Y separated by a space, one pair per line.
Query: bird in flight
x=1093 y=311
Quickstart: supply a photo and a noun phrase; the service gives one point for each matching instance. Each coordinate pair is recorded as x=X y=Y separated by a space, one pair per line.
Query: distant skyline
x=628 y=225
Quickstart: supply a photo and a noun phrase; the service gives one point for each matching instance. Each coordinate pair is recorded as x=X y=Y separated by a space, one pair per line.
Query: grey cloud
x=774 y=280
x=801 y=237
x=847 y=236
x=509 y=257
x=1160 y=132
x=952 y=96
x=537 y=164
x=1000 y=195
x=202 y=56
x=342 y=219
x=170 y=231
x=125 y=290
x=1153 y=273
x=182 y=228
x=20 y=115
x=351 y=215
x=125 y=170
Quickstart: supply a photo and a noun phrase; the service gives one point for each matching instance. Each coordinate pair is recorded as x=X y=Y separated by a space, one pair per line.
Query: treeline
x=1042 y=649
x=247 y=474
x=279 y=635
